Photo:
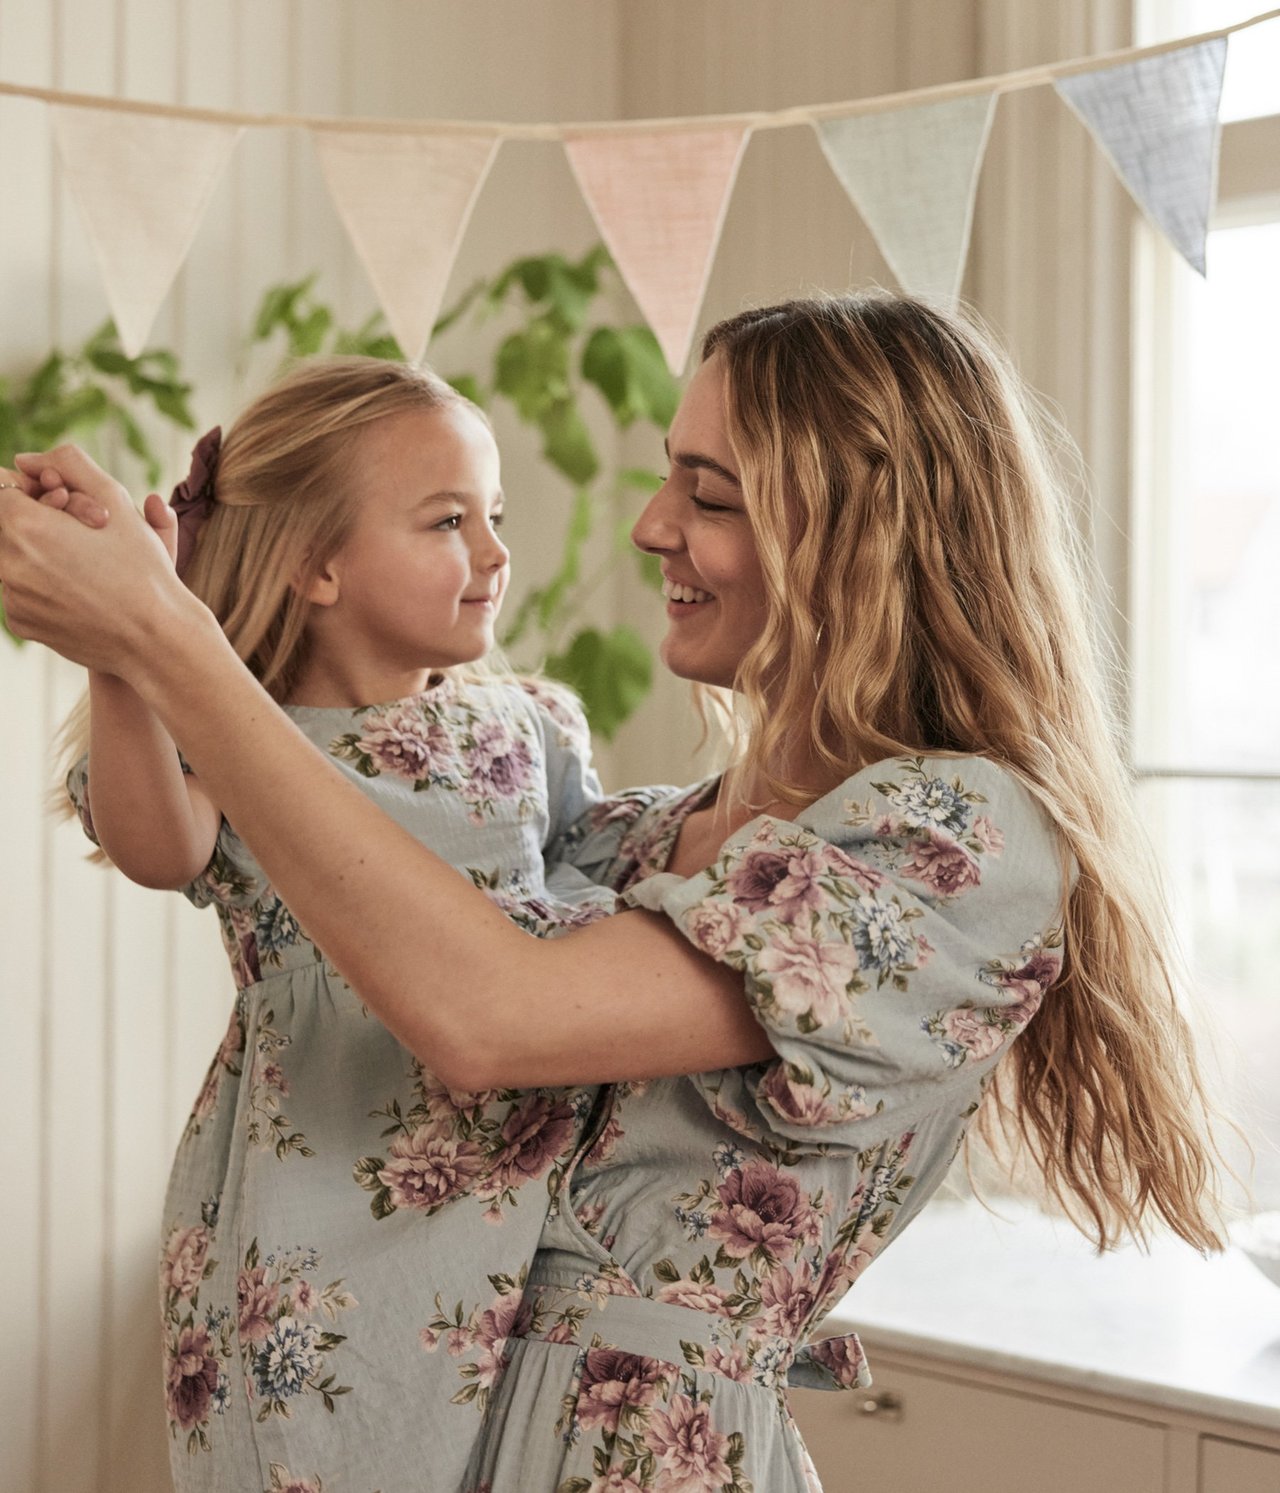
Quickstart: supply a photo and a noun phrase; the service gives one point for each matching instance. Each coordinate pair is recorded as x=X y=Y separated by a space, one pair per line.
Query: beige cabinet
x=927 y=1427
x=1233 y=1467
x=918 y=1433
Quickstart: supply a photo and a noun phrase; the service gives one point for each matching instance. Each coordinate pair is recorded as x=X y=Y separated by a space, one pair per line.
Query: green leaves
x=612 y=671
x=627 y=366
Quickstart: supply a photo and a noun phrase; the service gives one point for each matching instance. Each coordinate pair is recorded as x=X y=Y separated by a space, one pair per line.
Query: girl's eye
x=454 y=521
x=497 y=519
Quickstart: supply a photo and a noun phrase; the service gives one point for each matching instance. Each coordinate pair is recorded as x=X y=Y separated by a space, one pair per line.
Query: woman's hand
x=107 y=596
x=46 y=484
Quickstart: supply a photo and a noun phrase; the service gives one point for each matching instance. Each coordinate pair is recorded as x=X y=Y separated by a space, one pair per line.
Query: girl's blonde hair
x=927 y=594
x=284 y=484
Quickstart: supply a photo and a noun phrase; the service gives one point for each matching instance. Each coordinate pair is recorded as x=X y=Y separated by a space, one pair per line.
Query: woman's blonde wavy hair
x=927 y=594
x=285 y=489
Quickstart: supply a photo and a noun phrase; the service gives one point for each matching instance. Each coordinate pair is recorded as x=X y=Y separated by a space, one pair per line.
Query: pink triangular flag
x=405 y=201
x=141 y=183
x=659 y=201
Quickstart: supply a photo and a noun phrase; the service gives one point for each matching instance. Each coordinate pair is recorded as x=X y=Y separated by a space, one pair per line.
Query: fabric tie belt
x=576 y=1312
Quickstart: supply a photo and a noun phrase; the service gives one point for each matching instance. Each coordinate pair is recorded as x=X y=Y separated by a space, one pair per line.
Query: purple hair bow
x=193 y=498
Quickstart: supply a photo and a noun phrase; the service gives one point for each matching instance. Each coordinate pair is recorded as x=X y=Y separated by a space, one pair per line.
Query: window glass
x=1252 y=83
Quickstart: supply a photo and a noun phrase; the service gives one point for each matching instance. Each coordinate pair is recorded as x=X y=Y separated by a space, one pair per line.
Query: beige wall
x=111 y=998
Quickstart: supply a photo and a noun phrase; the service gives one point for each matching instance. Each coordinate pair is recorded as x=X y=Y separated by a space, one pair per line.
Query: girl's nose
x=656 y=530
x=495 y=554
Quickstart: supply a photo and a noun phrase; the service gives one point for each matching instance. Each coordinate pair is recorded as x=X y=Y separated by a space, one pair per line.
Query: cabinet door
x=940 y=1433
x=1232 y=1467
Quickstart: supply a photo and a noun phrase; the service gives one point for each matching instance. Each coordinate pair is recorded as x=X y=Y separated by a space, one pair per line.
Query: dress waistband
x=577 y=1313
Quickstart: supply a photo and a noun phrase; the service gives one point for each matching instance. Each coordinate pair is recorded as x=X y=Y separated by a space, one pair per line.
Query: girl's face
x=418 y=583
x=697 y=525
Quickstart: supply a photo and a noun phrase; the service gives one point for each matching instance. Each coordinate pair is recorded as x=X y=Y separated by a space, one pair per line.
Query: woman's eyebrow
x=693 y=461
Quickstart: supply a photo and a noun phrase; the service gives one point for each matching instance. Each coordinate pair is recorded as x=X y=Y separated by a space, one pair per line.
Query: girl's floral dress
x=894 y=939
x=329 y=1199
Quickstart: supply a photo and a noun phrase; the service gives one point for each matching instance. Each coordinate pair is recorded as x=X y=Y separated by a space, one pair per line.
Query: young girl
x=329 y=1196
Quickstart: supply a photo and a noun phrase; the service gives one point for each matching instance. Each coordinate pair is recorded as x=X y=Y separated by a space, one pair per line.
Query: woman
x=926 y=830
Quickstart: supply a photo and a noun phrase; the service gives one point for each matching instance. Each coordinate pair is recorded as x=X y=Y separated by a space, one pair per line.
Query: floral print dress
x=329 y=1199
x=893 y=939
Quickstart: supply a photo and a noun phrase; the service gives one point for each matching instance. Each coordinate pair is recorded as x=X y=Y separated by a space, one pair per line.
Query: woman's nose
x=656 y=531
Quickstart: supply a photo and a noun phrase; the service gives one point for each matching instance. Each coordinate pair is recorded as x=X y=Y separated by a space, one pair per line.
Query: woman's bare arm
x=481 y=1002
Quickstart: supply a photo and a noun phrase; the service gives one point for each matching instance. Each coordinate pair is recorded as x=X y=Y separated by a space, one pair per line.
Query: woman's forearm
x=479 y=1001
x=152 y=822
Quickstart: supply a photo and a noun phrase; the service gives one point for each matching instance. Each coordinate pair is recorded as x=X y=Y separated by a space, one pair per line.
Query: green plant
x=95 y=389
x=554 y=353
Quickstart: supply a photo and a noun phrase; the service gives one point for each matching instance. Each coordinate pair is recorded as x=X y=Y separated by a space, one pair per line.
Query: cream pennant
x=913 y=175
x=1157 y=121
x=405 y=201
x=660 y=201
x=141 y=184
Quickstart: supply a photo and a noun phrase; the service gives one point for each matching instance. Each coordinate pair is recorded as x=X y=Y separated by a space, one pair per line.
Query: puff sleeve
x=894 y=938
x=572 y=785
x=232 y=877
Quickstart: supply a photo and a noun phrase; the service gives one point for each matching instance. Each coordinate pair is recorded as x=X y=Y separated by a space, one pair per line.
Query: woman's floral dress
x=329 y=1199
x=894 y=939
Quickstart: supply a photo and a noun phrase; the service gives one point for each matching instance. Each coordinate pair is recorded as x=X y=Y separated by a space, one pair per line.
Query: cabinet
x=926 y=1427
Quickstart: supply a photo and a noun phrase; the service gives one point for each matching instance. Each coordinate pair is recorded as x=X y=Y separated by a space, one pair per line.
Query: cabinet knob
x=886 y=1405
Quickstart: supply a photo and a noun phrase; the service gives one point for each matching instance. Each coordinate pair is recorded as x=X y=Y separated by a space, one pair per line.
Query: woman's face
x=696 y=524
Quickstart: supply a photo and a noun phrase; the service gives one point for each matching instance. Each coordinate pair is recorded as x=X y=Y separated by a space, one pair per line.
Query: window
x=1206 y=579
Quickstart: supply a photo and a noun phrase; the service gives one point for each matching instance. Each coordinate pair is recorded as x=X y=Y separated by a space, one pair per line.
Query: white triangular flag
x=659 y=201
x=1157 y=121
x=141 y=183
x=913 y=174
x=405 y=201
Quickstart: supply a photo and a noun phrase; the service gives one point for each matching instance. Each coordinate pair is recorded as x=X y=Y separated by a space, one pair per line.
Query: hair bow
x=194 y=497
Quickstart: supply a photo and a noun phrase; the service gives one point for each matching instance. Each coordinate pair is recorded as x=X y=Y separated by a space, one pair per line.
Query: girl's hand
x=105 y=597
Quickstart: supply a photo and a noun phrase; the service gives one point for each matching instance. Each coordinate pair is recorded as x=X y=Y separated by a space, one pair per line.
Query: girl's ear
x=323 y=589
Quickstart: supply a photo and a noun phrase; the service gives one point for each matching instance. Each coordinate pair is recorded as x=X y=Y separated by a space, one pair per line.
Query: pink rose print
x=971 y=1030
x=305 y=1298
x=786 y=1300
x=499 y=765
x=616 y=1481
x=716 y=926
x=809 y=975
x=690 y=1451
x=185 y=1256
x=842 y=1357
x=942 y=864
x=987 y=835
x=508 y=1317
x=402 y=742
x=799 y=889
x=732 y=1363
x=801 y=1103
x=426 y=1169
x=535 y=1132
x=1031 y=979
x=611 y=1380
x=191 y=1376
x=762 y=1208
x=256 y=1300
x=692 y=1293
x=752 y=882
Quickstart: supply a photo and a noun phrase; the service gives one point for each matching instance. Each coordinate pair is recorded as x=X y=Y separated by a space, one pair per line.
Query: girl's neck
x=347 y=684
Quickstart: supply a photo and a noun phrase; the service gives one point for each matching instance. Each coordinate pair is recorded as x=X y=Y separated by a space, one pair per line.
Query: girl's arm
x=155 y=822
x=479 y=1001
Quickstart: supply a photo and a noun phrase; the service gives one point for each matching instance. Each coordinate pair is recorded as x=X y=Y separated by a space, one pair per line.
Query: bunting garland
x=659 y=202
x=1157 y=121
x=142 y=176
x=405 y=201
x=913 y=175
x=141 y=185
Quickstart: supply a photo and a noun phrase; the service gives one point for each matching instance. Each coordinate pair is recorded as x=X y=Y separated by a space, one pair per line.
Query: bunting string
x=1000 y=83
x=142 y=174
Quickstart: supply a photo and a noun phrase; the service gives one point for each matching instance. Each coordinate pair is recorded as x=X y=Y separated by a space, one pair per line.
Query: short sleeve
x=572 y=785
x=231 y=878
x=894 y=938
